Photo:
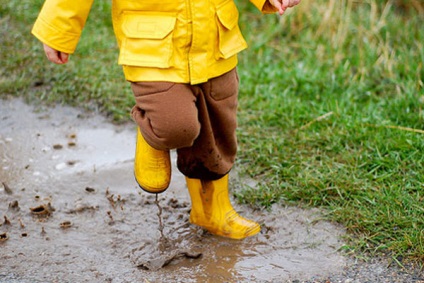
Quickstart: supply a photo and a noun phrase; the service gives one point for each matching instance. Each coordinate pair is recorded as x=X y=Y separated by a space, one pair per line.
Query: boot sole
x=151 y=191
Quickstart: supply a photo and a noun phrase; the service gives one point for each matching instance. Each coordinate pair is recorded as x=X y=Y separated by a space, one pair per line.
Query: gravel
x=375 y=270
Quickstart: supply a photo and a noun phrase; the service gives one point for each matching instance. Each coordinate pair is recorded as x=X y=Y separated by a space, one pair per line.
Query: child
x=180 y=57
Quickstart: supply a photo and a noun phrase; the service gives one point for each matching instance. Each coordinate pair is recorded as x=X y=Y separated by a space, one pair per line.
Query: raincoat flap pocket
x=228 y=14
x=151 y=26
x=148 y=39
x=230 y=39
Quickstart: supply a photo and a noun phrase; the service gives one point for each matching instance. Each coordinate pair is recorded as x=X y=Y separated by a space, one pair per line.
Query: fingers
x=63 y=57
x=289 y=3
x=281 y=9
x=295 y=2
x=55 y=56
x=277 y=5
x=282 y=5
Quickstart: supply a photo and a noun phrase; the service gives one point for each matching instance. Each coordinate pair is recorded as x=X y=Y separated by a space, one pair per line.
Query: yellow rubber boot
x=152 y=167
x=212 y=210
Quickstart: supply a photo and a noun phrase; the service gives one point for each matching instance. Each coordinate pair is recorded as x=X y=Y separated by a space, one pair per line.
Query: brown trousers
x=198 y=120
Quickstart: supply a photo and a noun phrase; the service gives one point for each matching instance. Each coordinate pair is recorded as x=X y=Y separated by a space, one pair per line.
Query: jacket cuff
x=264 y=6
x=54 y=37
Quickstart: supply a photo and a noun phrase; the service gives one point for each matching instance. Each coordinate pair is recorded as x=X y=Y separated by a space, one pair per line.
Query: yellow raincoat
x=183 y=41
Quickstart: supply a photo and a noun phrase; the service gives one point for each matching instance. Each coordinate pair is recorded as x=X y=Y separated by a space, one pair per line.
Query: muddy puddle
x=70 y=211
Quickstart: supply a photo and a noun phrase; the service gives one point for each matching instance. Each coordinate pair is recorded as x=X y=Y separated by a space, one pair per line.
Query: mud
x=70 y=211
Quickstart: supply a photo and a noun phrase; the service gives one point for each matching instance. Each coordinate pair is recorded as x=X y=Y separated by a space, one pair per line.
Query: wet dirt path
x=70 y=211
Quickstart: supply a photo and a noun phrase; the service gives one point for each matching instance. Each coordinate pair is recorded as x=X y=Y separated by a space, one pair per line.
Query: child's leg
x=213 y=153
x=167 y=117
x=207 y=162
x=166 y=114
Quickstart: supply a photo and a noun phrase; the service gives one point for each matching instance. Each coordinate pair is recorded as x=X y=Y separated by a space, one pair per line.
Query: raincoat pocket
x=147 y=40
x=230 y=39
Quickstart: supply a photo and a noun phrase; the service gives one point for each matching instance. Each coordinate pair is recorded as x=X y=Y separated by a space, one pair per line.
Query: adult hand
x=55 y=56
x=282 y=5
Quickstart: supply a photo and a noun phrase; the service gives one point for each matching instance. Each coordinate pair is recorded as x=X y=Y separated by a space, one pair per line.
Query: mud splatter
x=6 y=221
x=162 y=240
x=163 y=260
x=154 y=256
x=65 y=224
x=3 y=237
x=7 y=189
x=90 y=190
x=14 y=206
x=43 y=210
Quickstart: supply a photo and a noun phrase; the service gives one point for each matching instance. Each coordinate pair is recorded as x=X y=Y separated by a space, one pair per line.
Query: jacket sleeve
x=264 y=6
x=60 y=23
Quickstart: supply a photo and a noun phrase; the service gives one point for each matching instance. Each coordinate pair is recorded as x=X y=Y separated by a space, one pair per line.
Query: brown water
x=70 y=211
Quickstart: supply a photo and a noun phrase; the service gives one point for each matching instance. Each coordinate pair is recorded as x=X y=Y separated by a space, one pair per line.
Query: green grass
x=331 y=116
x=331 y=107
x=91 y=79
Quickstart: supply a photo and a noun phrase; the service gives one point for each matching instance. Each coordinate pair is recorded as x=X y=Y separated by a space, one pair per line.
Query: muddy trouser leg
x=213 y=153
x=197 y=120
x=207 y=162
x=166 y=114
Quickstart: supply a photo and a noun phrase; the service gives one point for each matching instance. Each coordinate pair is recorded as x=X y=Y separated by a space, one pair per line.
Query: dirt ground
x=70 y=211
